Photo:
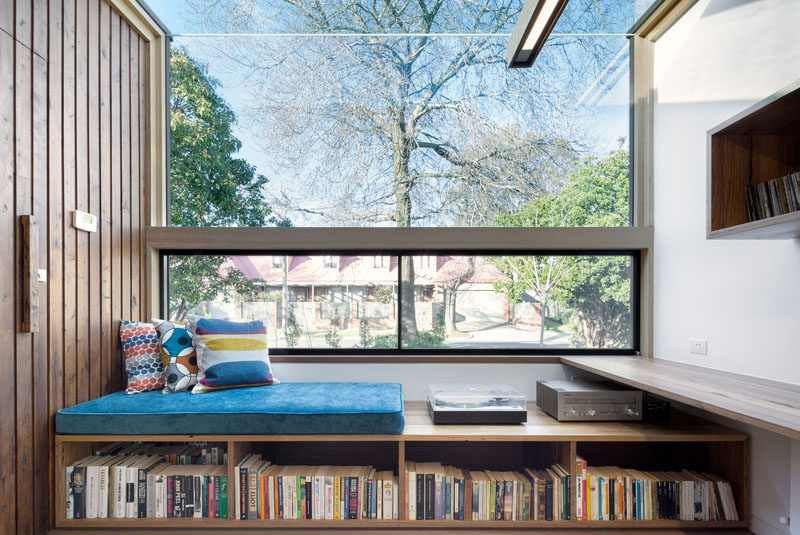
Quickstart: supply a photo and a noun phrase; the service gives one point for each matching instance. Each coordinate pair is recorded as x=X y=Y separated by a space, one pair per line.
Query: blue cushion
x=283 y=409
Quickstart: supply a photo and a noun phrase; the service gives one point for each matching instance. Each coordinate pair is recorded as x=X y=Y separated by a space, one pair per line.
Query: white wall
x=416 y=377
x=741 y=296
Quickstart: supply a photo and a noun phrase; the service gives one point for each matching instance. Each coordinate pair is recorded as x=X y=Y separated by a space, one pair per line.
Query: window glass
x=283 y=117
x=320 y=301
x=458 y=302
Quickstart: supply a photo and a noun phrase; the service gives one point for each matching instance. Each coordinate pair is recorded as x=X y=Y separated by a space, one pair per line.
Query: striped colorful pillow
x=230 y=355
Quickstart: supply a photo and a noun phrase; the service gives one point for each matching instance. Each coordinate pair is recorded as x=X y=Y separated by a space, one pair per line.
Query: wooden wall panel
x=55 y=233
x=23 y=159
x=106 y=329
x=116 y=213
x=82 y=199
x=96 y=385
x=8 y=326
x=69 y=185
x=70 y=70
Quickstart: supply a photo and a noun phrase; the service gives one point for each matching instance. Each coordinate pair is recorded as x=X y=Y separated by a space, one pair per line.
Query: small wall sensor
x=84 y=221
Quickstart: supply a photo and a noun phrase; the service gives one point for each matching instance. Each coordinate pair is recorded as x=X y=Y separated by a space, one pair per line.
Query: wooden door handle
x=30 y=288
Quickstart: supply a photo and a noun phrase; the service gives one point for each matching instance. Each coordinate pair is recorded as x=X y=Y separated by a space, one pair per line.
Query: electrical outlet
x=698 y=347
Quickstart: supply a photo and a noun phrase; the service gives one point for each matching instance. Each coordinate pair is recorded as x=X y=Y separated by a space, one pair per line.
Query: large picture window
x=403 y=114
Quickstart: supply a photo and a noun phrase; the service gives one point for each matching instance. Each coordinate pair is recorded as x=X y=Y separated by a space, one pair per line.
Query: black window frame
x=400 y=351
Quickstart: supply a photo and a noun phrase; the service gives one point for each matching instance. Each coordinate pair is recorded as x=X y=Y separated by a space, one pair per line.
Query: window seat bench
x=282 y=409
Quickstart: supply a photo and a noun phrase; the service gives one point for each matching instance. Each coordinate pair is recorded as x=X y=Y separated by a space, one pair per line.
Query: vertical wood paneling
x=40 y=392
x=8 y=328
x=41 y=421
x=82 y=198
x=55 y=234
x=135 y=178
x=95 y=302
x=105 y=194
x=40 y=31
x=22 y=30
x=72 y=102
x=125 y=188
x=7 y=16
x=23 y=168
x=70 y=239
x=144 y=215
x=116 y=215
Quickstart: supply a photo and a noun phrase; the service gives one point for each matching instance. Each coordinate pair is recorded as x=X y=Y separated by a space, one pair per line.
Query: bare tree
x=393 y=122
x=451 y=287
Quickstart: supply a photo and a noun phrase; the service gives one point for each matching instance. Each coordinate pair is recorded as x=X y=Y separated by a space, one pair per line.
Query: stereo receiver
x=571 y=401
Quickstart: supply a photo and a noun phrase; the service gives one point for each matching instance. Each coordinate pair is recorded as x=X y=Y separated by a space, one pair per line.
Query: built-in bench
x=282 y=409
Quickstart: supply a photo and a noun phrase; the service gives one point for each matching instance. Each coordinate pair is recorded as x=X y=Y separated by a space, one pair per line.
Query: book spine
x=223 y=496
x=337 y=497
x=170 y=497
x=371 y=505
x=430 y=495
x=549 y=500
x=309 y=498
x=252 y=497
x=329 y=497
x=70 y=496
x=151 y=495
x=508 y=500
x=79 y=491
x=280 y=496
x=141 y=496
x=352 y=498
x=301 y=497
x=177 y=495
x=204 y=498
x=102 y=504
x=242 y=490
x=420 y=497
x=388 y=499
x=476 y=503
x=500 y=489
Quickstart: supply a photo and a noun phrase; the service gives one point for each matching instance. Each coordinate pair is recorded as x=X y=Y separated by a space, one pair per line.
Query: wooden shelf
x=685 y=438
x=766 y=404
x=758 y=144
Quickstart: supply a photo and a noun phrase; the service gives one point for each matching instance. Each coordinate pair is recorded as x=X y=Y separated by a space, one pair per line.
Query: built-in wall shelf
x=766 y=404
x=685 y=441
x=756 y=145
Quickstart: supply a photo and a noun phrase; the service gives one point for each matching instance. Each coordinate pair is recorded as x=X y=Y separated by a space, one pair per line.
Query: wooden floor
x=766 y=404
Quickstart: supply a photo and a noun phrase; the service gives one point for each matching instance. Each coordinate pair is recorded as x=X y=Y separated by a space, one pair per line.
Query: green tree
x=332 y=338
x=596 y=287
x=208 y=185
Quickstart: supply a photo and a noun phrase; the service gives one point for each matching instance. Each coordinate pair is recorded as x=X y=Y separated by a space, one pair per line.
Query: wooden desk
x=766 y=404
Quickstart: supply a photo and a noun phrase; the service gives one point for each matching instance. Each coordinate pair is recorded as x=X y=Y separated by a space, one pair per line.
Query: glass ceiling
x=466 y=17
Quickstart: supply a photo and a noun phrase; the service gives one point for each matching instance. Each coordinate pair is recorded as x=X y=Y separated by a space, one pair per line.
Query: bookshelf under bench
x=684 y=442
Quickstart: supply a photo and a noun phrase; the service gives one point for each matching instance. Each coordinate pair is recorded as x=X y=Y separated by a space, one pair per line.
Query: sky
x=607 y=94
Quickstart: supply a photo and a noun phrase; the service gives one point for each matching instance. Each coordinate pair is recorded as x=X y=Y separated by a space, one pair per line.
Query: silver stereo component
x=569 y=401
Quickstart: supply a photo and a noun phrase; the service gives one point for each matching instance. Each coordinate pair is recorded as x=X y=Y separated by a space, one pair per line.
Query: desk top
x=766 y=404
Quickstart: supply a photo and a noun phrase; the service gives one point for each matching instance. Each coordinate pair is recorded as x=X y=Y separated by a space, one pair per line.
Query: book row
x=128 y=480
x=773 y=197
x=613 y=493
x=268 y=491
x=189 y=453
x=437 y=492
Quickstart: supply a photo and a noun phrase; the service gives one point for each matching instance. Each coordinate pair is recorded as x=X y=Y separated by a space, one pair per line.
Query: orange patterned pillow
x=142 y=356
